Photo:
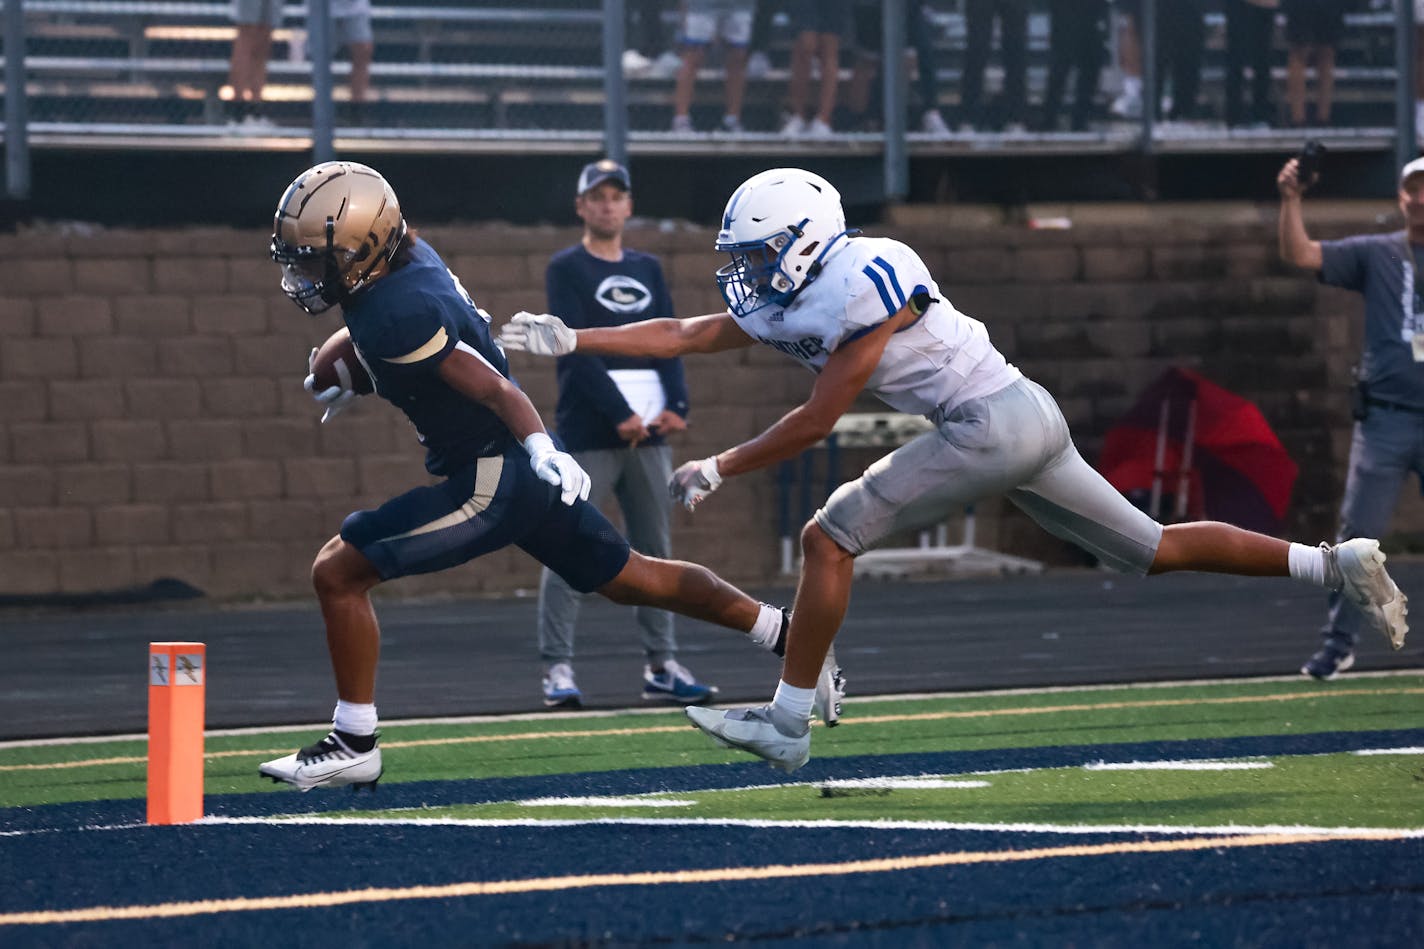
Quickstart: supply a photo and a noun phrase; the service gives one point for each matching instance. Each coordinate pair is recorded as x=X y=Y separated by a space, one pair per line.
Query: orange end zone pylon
x=177 y=689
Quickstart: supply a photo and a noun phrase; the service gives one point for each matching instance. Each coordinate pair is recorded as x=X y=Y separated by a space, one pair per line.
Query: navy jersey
x=586 y=291
x=403 y=326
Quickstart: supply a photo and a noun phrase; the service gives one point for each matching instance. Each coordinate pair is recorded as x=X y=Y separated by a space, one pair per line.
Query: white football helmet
x=336 y=229
x=779 y=227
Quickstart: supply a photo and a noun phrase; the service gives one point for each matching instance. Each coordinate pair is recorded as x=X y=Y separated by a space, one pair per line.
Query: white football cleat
x=1365 y=583
x=830 y=689
x=753 y=730
x=327 y=764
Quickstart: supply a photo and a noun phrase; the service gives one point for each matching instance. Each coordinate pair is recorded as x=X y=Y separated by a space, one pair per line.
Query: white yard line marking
x=1390 y=751
x=1176 y=765
x=1015 y=828
x=908 y=783
x=604 y=802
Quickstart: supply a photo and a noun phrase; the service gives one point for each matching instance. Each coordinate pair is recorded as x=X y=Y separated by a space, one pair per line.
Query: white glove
x=541 y=334
x=557 y=468
x=334 y=398
x=695 y=480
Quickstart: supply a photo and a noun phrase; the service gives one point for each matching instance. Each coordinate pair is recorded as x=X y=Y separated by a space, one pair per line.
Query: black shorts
x=1314 y=22
x=481 y=508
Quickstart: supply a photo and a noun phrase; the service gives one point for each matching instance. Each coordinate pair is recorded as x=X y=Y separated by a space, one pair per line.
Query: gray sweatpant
x=638 y=478
x=1013 y=442
x=1384 y=449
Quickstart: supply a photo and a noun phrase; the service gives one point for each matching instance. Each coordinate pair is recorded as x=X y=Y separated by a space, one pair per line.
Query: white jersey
x=941 y=360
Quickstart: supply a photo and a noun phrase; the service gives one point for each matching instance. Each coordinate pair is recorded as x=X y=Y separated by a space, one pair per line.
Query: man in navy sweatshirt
x=613 y=413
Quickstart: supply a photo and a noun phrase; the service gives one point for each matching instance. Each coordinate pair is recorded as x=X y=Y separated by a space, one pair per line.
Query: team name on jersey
x=806 y=348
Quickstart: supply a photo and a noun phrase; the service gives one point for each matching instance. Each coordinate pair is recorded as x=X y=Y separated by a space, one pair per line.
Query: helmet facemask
x=755 y=276
x=310 y=278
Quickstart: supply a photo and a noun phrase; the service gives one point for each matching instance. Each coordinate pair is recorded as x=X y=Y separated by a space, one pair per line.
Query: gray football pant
x=1384 y=449
x=638 y=478
x=1013 y=442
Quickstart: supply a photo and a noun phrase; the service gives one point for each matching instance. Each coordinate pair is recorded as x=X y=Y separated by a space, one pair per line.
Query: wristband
x=539 y=443
x=710 y=472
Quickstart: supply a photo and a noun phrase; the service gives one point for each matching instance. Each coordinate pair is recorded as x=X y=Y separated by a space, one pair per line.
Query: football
x=336 y=364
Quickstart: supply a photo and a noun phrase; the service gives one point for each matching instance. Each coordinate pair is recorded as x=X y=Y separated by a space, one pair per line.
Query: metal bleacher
x=462 y=74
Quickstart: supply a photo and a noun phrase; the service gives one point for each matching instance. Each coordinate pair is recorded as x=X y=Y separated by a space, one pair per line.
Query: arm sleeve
x=670 y=371
x=587 y=376
x=1342 y=263
x=416 y=342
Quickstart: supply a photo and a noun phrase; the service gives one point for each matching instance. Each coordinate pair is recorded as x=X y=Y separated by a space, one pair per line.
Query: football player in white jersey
x=865 y=314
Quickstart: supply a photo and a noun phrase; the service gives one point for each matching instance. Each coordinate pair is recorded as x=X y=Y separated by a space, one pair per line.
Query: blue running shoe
x=559 y=688
x=1332 y=659
x=675 y=683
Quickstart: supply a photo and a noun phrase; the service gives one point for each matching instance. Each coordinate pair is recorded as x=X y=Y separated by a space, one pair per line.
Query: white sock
x=1308 y=563
x=793 y=701
x=354 y=718
x=1132 y=87
x=767 y=627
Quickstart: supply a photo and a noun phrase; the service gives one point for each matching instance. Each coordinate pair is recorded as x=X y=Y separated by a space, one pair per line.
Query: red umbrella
x=1206 y=453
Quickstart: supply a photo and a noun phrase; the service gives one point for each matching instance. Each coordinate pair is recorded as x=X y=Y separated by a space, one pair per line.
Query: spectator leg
x=979 y=31
x=692 y=56
x=735 y=65
x=829 y=50
x=361 y=56
x=1013 y=36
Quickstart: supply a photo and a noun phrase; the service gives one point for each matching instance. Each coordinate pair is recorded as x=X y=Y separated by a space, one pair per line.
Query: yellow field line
x=715 y=875
x=856 y=720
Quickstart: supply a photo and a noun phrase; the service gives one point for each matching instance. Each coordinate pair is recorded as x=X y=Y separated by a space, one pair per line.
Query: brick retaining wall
x=154 y=422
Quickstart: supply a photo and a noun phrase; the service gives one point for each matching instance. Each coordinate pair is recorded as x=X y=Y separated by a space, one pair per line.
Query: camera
x=1307 y=169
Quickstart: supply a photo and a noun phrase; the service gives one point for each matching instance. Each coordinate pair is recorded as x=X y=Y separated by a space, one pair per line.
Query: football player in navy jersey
x=341 y=240
x=865 y=314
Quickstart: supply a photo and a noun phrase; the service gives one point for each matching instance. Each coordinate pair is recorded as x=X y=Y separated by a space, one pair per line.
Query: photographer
x=1388 y=440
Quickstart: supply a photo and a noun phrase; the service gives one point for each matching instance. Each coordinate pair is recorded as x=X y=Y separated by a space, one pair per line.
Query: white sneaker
x=1365 y=583
x=830 y=689
x=819 y=129
x=731 y=125
x=753 y=730
x=1126 y=106
x=327 y=764
x=933 y=123
x=682 y=124
x=560 y=691
x=758 y=65
x=795 y=127
x=666 y=65
x=635 y=63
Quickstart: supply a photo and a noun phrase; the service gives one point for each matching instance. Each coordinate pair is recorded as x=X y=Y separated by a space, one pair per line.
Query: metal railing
x=576 y=97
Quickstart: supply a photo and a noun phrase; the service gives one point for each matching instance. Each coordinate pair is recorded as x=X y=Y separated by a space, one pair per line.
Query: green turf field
x=1334 y=790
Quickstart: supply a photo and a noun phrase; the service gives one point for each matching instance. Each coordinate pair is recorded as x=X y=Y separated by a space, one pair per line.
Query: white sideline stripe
x=1400 y=833
x=1176 y=765
x=604 y=802
x=923 y=781
x=641 y=710
x=1015 y=828
x=1389 y=751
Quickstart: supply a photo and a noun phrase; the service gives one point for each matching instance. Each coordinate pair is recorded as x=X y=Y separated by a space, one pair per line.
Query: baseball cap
x=1413 y=168
x=598 y=172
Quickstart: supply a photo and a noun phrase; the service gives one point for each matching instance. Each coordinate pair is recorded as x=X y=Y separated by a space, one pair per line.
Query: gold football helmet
x=336 y=229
